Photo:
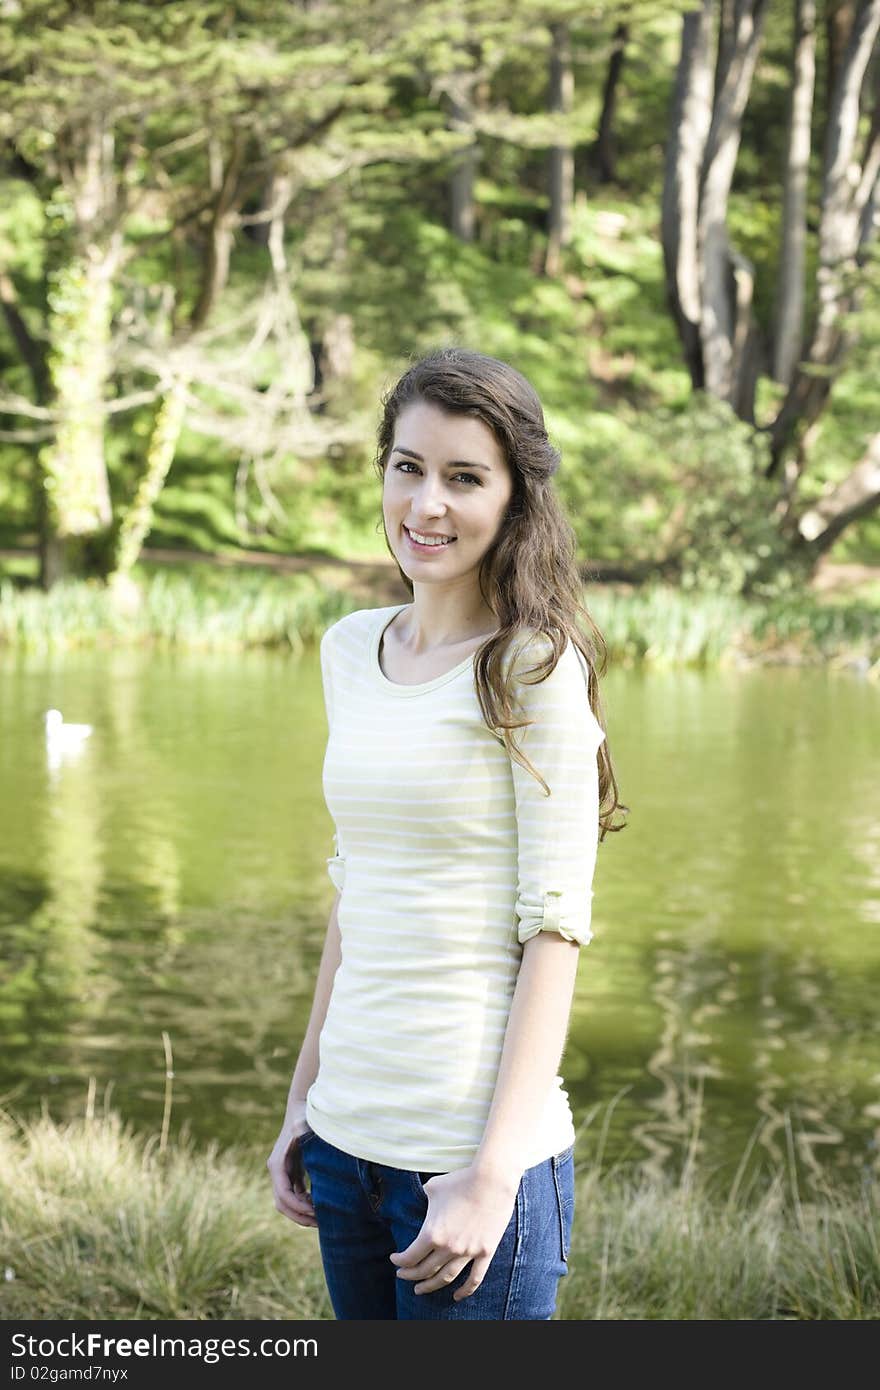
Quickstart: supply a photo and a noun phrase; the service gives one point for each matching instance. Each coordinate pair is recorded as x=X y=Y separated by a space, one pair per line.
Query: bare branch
x=852 y=499
x=184 y=142
x=261 y=479
x=20 y=405
x=25 y=436
x=221 y=232
x=139 y=397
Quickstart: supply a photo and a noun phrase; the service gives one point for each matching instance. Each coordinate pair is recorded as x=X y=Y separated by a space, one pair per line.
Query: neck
x=444 y=618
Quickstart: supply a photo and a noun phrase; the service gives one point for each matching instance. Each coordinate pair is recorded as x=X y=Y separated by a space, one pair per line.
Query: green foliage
x=348 y=103
x=720 y=535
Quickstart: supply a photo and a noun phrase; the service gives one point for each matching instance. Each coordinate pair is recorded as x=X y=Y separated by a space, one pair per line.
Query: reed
x=194 y=611
x=203 y=608
x=99 y=1222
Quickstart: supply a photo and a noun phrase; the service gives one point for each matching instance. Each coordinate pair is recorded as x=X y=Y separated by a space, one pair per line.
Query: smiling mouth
x=434 y=545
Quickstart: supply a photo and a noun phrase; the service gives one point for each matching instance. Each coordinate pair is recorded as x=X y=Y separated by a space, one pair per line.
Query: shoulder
x=560 y=695
x=359 y=625
x=531 y=652
x=346 y=644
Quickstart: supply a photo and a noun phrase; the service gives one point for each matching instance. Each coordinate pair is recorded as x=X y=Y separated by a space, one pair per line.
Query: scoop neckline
x=385 y=619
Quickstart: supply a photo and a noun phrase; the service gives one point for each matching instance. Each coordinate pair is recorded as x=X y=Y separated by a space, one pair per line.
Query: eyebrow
x=454 y=463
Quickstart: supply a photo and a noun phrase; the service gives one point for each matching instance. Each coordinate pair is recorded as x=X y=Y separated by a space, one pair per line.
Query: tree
x=793 y=247
x=119 y=114
x=604 y=151
x=561 y=156
x=711 y=284
x=846 y=228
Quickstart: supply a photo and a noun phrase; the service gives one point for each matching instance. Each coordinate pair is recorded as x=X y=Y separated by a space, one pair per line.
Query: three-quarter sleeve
x=557 y=835
x=336 y=862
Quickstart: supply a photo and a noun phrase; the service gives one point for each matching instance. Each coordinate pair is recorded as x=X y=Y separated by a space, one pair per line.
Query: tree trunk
x=221 y=232
x=467 y=92
x=75 y=512
x=839 y=18
x=461 y=184
x=722 y=300
x=844 y=230
x=793 y=249
x=73 y=469
x=561 y=156
x=138 y=518
x=854 y=498
x=690 y=122
x=604 y=152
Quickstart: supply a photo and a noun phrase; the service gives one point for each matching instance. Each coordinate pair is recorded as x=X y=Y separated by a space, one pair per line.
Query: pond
x=171 y=879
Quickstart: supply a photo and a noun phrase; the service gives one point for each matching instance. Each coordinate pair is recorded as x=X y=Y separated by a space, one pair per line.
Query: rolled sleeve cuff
x=558 y=912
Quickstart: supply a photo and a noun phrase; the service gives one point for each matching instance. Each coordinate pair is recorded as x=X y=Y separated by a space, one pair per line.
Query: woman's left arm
x=533 y=1047
x=469 y=1209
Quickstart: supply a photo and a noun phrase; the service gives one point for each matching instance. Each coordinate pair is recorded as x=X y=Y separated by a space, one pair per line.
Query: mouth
x=423 y=549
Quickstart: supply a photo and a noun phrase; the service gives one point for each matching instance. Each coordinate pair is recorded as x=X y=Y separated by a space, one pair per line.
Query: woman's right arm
x=291 y=1197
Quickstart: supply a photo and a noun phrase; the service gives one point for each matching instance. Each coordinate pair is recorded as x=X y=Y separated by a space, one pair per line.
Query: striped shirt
x=448 y=856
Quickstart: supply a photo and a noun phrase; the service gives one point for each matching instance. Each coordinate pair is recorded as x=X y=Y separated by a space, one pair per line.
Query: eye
x=408 y=463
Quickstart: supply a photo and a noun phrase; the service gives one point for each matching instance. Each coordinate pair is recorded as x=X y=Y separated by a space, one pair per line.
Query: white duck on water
x=63 y=740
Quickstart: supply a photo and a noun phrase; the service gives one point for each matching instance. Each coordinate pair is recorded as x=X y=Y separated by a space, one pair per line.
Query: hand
x=468 y=1213
x=288 y=1179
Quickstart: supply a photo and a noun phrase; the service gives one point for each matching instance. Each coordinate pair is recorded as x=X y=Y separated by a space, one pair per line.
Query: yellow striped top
x=448 y=856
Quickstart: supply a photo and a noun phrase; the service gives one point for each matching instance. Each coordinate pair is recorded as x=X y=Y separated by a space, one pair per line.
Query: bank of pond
x=204 y=608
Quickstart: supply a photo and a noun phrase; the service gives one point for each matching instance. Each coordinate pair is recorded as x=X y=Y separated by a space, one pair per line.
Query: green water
x=172 y=879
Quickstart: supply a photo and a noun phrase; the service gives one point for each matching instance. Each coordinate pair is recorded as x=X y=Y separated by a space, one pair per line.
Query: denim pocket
x=293 y=1160
x=562 y=1165
x=419 y=1180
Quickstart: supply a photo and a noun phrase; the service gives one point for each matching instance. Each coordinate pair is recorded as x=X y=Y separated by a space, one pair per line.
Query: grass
x=196 y=611
x=98 y=1222
x=200 y=608
x=649 y=1249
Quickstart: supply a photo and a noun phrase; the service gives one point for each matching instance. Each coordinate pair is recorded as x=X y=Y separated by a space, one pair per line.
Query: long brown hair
x=528 y=576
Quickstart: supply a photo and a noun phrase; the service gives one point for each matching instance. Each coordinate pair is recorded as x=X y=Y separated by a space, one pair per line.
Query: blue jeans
x=367 y=1210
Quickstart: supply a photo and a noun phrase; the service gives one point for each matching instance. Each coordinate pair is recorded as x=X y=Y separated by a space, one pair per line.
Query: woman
x=432 y=1125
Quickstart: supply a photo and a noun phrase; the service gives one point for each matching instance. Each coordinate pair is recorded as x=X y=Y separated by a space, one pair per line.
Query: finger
x=295 y=1206
x=444 y=1276
x=474 y=1279
x=426 y=1268
x=301 y=1201
x=298 y=1206
x=301 y=1218
x=290 y=1188
x=420 y=1249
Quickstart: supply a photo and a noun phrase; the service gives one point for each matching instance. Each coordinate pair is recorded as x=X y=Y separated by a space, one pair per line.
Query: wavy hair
x=528 y=576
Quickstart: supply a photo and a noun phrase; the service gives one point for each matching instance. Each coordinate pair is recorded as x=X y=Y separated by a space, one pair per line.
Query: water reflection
x=173 y=879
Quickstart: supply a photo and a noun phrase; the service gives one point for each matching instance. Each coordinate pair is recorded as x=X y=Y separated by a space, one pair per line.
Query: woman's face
x=446 y=476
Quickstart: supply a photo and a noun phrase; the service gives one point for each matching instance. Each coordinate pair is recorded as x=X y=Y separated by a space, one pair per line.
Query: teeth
x=427 y=540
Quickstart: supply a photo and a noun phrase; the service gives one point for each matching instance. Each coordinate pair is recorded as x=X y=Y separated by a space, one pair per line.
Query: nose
x=428 y=500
